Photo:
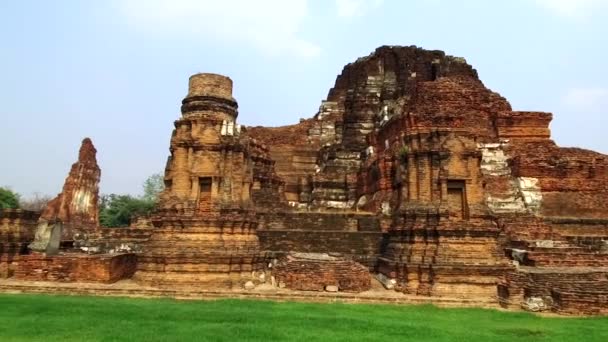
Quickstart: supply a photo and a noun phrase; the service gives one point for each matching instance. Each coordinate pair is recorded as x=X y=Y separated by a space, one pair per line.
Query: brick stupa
x=205 y=228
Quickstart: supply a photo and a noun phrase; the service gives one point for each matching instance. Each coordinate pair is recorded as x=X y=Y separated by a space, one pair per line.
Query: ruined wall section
x=358 y=236
x=107 y=268
x=547 y=202
x=268 y=189
x=370 y=92
x=574 y=181
x=366 y=94
x=17 y=229
x=372 y=86
x=319 y=272
x=295 y=156
x=17 y=225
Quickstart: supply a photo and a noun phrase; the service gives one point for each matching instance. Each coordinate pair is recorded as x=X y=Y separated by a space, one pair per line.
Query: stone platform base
x=73 y=267
x=196 y=268
x=130 y=288
x=194 y=280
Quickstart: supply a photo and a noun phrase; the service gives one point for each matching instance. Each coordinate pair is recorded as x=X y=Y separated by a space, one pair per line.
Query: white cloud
x=573 y=8
x=271 y=26
x=587 y=98
x=356 y=8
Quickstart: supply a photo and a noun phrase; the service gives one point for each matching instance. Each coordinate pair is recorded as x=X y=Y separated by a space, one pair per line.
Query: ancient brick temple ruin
x=412 y=175
x=205 y=225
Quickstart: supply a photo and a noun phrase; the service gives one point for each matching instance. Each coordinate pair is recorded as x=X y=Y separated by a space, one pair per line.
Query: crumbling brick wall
x=76 y=267
x=314 y=272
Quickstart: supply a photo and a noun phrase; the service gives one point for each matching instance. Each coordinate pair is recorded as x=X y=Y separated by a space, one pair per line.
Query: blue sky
x=116 y=71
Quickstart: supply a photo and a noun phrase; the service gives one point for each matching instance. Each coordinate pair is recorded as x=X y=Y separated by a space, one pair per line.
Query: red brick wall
x=76 y=267
x=314 y=275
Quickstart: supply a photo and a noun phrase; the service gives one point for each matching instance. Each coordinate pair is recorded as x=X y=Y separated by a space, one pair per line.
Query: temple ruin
x=413 y=180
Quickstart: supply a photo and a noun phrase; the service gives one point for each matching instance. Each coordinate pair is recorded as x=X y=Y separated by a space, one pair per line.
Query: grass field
x=58 y=318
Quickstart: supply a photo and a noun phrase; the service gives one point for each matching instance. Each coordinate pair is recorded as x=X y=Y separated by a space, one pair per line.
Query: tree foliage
x=8 y=199
x=118 y=210
x=153 y=186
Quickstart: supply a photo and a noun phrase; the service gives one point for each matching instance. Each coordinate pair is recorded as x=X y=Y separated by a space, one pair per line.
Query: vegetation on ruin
x=8 y=199
x=57 y=318
x=403 y=152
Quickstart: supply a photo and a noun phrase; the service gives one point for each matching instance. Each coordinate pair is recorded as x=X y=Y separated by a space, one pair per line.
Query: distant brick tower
x=205 y=231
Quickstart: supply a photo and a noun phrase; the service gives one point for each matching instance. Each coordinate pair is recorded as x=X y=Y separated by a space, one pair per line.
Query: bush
x=8 y=199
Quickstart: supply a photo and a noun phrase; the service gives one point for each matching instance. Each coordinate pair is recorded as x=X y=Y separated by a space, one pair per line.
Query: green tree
x=153 y=186
x=117 y=210
x=8 y=199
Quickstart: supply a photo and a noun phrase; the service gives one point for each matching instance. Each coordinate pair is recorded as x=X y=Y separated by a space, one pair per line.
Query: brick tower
x=205 y=231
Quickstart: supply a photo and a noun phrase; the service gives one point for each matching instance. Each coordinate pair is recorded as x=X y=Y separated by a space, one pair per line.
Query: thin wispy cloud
x=270 y=26
x=356 y=8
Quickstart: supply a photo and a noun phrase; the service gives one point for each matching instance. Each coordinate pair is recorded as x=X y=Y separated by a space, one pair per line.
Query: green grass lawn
x=61 y=318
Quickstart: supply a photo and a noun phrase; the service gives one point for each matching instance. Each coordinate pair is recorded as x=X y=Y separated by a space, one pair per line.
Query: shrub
x=8 y=199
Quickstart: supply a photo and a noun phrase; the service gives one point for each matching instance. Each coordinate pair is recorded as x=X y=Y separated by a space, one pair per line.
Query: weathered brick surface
x=421 y=121
x=205 y=228
x=77 y=204
x=574 y=181
x=363 y=247
x=565 y=290
x=587 y=298
x=17 y=224
x=314 y=272
x=118 y=240
x=17 y=228
x=76 y=267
